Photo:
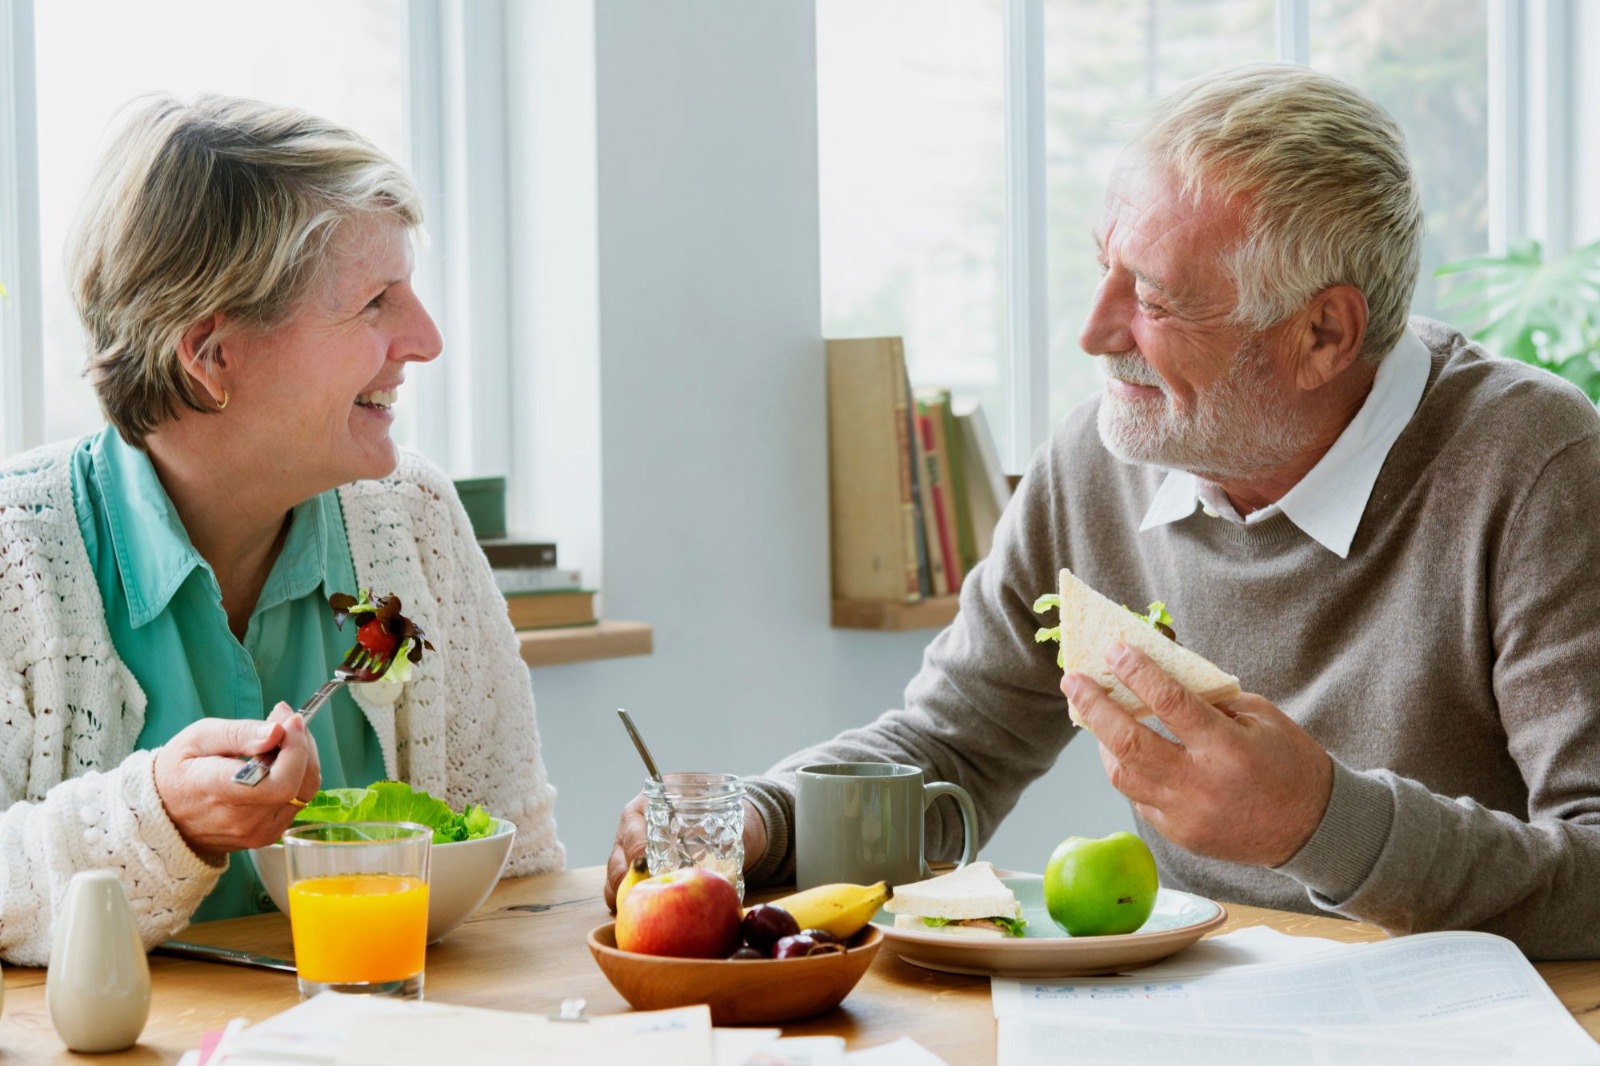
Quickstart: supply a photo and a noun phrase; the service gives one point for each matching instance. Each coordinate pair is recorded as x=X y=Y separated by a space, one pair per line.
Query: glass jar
x=696 y=819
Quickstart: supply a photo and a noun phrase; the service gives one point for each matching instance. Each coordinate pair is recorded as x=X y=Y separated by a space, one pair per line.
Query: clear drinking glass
x=696 y=819
x=358 y=906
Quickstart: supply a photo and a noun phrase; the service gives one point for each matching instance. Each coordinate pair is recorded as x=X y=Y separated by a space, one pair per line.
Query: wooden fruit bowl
x=738 y=991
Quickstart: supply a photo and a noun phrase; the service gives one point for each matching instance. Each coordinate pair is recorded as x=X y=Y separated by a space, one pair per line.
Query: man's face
x=1186 y=387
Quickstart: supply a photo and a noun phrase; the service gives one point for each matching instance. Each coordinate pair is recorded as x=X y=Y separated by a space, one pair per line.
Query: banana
x=637 y=872
x=841 y=909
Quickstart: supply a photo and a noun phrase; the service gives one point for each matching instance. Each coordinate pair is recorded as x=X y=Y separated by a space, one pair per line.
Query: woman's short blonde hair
x=219 y=206
x=1322 y=174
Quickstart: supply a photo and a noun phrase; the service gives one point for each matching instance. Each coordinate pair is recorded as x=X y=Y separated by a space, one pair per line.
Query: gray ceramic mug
x=861 y=822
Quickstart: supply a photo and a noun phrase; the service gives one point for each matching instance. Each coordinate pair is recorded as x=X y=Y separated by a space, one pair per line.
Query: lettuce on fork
x=396 y=801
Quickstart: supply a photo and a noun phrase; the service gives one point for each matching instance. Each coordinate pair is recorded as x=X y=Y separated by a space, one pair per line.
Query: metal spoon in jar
x=684 y=858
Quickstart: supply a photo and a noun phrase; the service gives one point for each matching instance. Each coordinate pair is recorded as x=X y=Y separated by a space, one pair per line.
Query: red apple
x=690 y=913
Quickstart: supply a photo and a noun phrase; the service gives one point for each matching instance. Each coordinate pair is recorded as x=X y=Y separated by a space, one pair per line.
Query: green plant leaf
x=1541 y=313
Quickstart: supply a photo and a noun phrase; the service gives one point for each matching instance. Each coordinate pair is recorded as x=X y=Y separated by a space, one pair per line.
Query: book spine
x=919 y=496
x=950 y=570
x=908 y=507
x=542 y=610
x=960 y=502
x=872 y=559
x=980 y=495
x=536 y=579
x=511 y=554
x=989 y=456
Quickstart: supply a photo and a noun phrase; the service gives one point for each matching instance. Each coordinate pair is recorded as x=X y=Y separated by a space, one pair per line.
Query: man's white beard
x=1237 y=428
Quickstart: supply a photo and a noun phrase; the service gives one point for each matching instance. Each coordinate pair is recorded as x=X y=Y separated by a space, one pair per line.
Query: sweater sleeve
x=503 y=766
x=515 y=779
x=112 y=820
x=1391 y=852
x=985 y=711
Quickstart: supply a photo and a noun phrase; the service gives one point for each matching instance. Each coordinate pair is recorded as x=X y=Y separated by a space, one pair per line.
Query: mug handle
x=969 y=819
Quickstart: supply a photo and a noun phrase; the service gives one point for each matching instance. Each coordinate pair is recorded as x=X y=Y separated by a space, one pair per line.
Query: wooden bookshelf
x=935 y=613
x=577 y=644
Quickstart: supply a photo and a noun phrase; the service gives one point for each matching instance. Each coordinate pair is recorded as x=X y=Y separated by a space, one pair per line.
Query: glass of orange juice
x=358 y=906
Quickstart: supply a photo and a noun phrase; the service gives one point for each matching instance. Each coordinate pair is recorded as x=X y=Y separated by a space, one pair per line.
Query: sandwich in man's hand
x=1089 y=623
x=970 y=901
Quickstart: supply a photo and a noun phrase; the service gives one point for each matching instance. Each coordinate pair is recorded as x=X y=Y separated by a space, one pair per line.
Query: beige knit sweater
x=80 y=797
x=1451 y=664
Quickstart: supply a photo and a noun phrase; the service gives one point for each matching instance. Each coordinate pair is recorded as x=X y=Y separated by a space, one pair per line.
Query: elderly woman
x=244 y=274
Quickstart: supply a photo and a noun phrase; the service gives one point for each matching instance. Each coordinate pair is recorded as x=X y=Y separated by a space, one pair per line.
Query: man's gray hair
x=220 y=206
x=1321 y=172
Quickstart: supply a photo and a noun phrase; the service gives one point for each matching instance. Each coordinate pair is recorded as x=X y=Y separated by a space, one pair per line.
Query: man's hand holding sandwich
x=1241 y=781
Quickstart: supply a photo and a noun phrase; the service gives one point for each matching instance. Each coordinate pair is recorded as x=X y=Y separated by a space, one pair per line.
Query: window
x=894 y=249
x=424 y=80
x=1104 y=61
x=351 y=69
x=911 y=118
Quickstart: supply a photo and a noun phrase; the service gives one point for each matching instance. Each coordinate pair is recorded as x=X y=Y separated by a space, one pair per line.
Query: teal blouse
x=164 y=608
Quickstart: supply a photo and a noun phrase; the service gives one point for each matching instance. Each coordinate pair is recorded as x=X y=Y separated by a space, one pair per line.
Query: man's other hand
x=1243 y=782
x=630 y=840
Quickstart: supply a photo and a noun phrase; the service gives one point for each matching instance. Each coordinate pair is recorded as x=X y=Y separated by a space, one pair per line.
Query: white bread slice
x=1090 y=623
x=984 y=932
x=973 y=891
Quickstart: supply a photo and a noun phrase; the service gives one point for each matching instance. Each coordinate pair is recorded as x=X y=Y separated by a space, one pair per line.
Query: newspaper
x=335 y=1030
x=1451 y=999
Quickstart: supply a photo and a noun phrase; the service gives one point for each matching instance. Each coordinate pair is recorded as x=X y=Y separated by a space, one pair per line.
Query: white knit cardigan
x=79 y=797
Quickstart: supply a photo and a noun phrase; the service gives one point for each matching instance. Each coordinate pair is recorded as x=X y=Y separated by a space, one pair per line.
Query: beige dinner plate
x=1044 y=950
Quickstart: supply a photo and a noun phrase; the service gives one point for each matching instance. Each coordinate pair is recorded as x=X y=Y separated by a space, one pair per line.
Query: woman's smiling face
x=312 y=395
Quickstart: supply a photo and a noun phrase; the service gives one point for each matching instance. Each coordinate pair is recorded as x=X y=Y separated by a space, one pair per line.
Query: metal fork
x=358 y=668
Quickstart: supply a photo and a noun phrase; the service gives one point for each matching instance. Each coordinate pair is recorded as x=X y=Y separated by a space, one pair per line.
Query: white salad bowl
x=461 y=876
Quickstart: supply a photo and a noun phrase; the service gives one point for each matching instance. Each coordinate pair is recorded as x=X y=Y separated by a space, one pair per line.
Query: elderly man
x=1384 y=530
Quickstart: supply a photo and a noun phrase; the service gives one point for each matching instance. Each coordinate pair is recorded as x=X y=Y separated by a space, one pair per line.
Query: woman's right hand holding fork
x=194 y=776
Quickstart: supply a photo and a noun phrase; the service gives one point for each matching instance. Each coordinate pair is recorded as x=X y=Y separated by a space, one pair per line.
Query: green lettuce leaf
x=1014 y=926
x=1050 y=601
x=396 y=801
x=1158 y=616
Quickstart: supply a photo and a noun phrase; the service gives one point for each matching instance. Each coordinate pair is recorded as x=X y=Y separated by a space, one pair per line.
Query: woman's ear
x=1335 y=329
x=202 y=358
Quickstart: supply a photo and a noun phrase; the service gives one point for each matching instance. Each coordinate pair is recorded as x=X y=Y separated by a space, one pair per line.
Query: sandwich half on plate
x=970 y=901
x=1090 y=623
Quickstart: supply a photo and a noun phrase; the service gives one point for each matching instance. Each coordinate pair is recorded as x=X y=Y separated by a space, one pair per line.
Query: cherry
x=804 y=945
x=767 y=923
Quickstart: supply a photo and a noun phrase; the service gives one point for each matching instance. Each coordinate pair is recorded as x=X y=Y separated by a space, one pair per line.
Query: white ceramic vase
x=98 y=985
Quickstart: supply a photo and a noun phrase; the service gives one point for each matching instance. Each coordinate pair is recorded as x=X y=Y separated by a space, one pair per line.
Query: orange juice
x=359 y=928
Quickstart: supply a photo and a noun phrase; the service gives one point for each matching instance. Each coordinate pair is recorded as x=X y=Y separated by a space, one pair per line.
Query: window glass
x=344 y=61
x=1427 y=63
x=1105 y=60
x=911 y=120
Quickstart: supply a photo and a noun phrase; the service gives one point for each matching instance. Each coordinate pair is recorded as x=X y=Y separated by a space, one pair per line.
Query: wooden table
x=525 y=951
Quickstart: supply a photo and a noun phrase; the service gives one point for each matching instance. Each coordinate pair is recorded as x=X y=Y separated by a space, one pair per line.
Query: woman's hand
x=194 y=776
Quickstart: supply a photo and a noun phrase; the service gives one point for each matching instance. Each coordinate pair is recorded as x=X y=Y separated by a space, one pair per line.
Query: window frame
x=455 y=106
x=21 y=313
x=1533 y=84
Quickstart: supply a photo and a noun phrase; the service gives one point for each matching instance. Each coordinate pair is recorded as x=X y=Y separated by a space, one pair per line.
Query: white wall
x=712 y=449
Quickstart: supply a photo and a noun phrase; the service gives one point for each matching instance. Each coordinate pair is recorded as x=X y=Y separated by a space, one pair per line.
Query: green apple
x=1101 y=887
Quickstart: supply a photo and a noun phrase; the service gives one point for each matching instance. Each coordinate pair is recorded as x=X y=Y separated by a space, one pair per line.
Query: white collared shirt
x=1328 y=502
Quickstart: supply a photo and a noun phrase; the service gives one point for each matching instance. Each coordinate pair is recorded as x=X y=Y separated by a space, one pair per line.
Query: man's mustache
x=1132 y=369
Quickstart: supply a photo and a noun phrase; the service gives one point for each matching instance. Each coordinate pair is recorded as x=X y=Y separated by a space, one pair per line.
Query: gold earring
x=222 y=404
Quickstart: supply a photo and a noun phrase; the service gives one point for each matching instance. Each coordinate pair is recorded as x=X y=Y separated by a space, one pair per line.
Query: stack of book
x=539 y=594
x=915 y=482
